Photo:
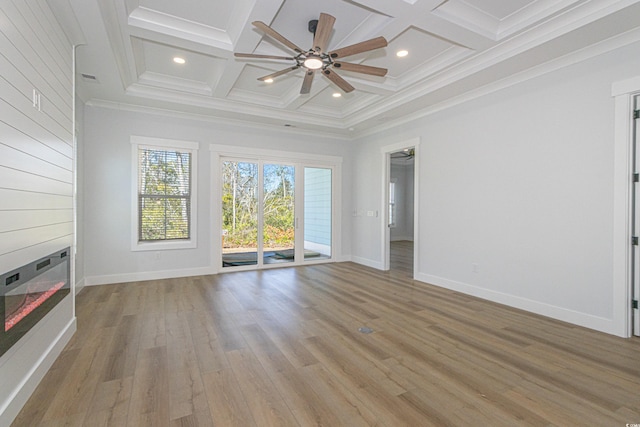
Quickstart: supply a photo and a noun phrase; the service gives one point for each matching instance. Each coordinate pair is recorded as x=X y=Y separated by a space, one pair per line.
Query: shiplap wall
x=36 y=178
x=36 y=148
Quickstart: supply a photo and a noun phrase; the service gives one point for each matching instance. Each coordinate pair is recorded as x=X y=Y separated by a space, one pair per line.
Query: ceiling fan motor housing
x=313 y=25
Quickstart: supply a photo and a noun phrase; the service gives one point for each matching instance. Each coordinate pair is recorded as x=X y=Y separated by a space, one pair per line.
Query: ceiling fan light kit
x=318 y=58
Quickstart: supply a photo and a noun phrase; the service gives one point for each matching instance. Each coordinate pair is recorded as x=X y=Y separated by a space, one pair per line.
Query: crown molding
x=223 y=121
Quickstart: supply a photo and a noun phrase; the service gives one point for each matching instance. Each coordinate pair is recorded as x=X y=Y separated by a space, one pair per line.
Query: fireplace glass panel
x=29 y=293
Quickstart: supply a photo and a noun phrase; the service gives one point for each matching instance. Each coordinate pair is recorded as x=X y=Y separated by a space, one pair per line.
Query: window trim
x=192 y=147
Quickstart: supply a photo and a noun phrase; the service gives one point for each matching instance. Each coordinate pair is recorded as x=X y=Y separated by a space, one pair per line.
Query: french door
x=275 y=213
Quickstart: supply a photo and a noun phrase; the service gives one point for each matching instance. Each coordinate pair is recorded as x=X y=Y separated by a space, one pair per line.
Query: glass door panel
x=239 y=213
x=278 y=213
x=317 y=213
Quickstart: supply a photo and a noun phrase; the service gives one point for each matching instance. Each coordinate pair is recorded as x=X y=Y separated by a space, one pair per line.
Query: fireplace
x=28 y=293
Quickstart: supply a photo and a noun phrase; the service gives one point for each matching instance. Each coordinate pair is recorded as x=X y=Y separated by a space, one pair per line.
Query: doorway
x=401 y=207
x=400 y=190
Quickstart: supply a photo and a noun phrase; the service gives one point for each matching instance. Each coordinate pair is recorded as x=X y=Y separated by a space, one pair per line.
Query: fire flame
x=29 y=306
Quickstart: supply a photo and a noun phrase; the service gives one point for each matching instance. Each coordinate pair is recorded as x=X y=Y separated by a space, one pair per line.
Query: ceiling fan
x=406 y=154
x=318 y=59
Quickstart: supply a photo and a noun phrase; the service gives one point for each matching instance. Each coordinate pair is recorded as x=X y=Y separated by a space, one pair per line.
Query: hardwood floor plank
x=227 y=404
x=384 y=404
x=110 y=404
x=74 y=394
x=199 y=419
x=186 y=390
x=345 y=404
x=262 y=397
x=206 y=343
x=123 y=348
x=150 y=392
x=287 y=338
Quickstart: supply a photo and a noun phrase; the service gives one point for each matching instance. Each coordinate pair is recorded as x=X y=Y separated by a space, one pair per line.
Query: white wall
x=36 y=179
x=520 y=183
x=79 y=264
x=107 y=186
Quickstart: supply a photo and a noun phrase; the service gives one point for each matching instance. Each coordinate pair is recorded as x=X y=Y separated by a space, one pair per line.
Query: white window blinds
x=164 y=194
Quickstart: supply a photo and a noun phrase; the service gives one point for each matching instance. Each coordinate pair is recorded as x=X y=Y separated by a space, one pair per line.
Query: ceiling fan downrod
x=313 y=25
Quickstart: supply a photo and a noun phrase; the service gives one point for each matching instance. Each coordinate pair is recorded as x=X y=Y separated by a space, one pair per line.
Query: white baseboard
x=146 y=275
x=79 y=285
x=559 y=313
x=368 y=262
x=25 y=389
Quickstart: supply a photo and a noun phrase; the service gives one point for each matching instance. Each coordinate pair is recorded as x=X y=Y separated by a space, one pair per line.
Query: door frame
x=298 y=159
x=623 y=93
x=385 y=232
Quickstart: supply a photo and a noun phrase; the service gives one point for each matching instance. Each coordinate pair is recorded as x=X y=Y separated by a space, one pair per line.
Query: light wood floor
x=282 y=347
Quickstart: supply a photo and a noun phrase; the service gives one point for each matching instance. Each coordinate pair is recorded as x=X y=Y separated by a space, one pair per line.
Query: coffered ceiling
x=454 y=46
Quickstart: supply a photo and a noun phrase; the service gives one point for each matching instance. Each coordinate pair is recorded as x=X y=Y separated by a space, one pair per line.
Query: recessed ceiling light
x=336 y=94
x=402 y=53
x=179 y=60
x=268 y=81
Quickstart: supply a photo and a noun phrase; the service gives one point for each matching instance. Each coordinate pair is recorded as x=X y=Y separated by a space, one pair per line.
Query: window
x=165 y=194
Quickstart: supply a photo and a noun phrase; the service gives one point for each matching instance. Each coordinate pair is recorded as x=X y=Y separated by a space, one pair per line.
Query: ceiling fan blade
x=359 y=68
x=279 y=73
x=306 y=83
x=274 y=34
x=255 y=56
x=339 y=81
x=364 y=46
x=323 y=32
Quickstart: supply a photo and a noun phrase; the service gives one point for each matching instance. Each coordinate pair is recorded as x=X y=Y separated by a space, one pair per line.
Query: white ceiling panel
x=499 y=9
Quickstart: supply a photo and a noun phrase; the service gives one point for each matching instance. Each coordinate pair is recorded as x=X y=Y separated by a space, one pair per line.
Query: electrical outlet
x=475 y=268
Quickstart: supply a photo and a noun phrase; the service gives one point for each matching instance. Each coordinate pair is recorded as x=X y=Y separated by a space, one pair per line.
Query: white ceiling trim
x=163 y=81
x=160 y=22
x=222 y=121
x=223 y=107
